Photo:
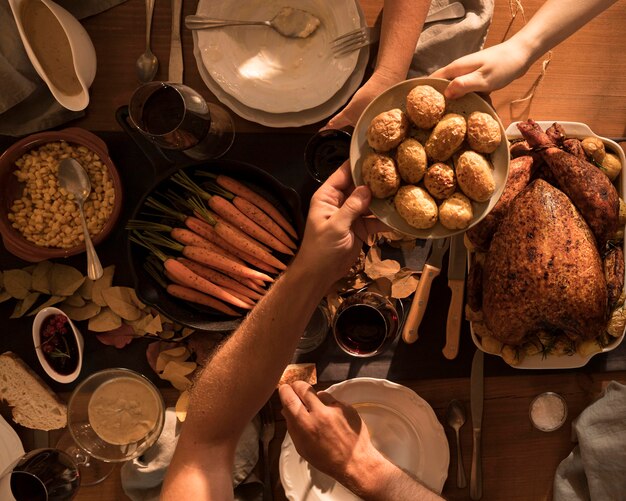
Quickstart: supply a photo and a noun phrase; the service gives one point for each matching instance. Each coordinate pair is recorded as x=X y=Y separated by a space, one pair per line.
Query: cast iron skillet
x=149 y=291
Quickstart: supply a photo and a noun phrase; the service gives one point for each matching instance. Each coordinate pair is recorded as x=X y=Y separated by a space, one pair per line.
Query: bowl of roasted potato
x=38 y=219
x=435 y=166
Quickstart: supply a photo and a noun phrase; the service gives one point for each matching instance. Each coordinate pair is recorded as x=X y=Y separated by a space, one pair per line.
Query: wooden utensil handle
x=476 y=476
x=418 y=306
x=455 y=314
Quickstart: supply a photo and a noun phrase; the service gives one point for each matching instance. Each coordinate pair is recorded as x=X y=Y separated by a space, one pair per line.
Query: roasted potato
x=474 y=175
x=425 y=106
x=456 y=212
x=447 y=137
x=440 y=180
x=594 y=148
x=380 y=174
x=412 y=161
x=611 y=166
x=483 y=132
x=387 y=130
x=416 y=206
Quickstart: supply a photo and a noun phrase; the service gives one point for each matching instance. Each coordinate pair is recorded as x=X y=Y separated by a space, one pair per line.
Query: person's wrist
x=369 y=476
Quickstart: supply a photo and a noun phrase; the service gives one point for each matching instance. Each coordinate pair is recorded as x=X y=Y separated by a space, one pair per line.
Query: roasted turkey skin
x=543 y=270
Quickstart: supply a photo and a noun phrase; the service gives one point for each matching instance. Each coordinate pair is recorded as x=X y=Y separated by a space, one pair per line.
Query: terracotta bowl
x=11 y=189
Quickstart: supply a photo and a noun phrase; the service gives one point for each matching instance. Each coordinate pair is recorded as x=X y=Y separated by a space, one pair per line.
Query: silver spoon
x=289 y=22
x=147 y=64
x=455 y=417
x=74 y=178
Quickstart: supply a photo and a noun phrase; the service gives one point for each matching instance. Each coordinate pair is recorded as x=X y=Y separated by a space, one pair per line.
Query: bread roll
x=387 y=130
x=34 y=404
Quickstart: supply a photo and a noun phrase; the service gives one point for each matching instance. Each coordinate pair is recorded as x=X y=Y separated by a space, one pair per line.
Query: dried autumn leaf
x=152 y=353
x=41 y=277
x=375 y=268
x=119 y=337
x=104 y=321
x=178 y=368
x=64 y=280
x=4 y=296
x=136 y=301
x=24 y=305
x=154 y=326
x=52 y=300
x=168 y=334
x=180 y=382
x=86 y=312
x=187 y=331
x=17 y=283
x=75 y=300
x=120 y=302
x=180 y=353
x=181 y=406
x=403 y=284
x=1 y=280
x=382 y=286
x=85 y=290
x=104 y=282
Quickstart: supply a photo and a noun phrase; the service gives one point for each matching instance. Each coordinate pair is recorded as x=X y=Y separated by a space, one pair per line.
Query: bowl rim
x=80 y=342
x=381 y=207
x=12 y=239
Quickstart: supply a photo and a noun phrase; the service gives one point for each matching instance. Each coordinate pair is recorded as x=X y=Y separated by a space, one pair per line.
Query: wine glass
x=114 y=415
x=176 y=117
x=42 y=475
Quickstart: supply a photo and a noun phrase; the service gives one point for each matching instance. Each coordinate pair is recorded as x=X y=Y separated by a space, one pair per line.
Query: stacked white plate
x=10 y=450
x=273 y=80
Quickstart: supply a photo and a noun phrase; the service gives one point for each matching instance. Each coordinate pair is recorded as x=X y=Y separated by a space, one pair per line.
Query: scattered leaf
x=104 y=282
x=166 y=334
x=376 y=268
x=136 y=301
x=175 y=367
x=52 y=300
x=64 y=280
x=119 y=337
x=152 y=353
x=86 y=312
x=75 y=300
x=4 y=296
x=181 y=406
x=403 y=284
x=104 y=321
x=41 y=277
x=86 y=289
x=179 y=353
x=24 y=305
x=17 y=283
x=120 y=302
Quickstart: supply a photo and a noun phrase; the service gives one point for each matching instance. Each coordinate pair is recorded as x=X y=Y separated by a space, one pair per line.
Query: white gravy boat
x=59 y=48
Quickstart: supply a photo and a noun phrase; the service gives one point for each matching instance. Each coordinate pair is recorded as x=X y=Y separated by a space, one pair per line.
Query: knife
x=476 y=476
x=420 y=299
x=175 y=69
x=456 y=283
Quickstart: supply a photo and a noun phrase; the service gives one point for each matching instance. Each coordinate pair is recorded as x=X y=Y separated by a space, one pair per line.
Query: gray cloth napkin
x=26 y=103
x=142 y=477
x=443 y=42
x=596 y=468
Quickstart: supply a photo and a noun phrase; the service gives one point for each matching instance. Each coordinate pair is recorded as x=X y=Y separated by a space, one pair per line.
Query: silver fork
x=354 y=40
x=267 y=434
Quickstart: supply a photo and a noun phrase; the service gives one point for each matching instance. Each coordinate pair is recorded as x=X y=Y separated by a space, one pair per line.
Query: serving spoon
x=147 y=64
x=74 y=179
x=289 y=22
x=455 y=417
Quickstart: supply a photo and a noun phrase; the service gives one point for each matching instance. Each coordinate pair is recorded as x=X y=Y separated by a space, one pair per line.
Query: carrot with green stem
x=232 y=214
x=238 y=188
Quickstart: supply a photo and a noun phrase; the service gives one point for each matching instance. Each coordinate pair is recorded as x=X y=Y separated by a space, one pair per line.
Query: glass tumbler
x=176 y=117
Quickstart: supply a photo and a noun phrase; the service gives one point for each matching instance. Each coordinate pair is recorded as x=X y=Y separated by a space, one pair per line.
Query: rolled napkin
x=26 y=103
x=142 y=477
x=443 y=42
x=596 y=468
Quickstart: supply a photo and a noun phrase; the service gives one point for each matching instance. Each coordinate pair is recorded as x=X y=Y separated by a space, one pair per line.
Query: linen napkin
x=596 y=468
x=443 y=42
x=26 y=103
x=142 y=477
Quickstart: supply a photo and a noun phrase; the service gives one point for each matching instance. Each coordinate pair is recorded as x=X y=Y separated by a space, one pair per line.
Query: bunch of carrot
x=225 y=246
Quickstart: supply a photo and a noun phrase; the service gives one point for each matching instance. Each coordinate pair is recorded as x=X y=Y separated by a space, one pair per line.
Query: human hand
x=335 y=229
x=329 y=434
x=485 y=71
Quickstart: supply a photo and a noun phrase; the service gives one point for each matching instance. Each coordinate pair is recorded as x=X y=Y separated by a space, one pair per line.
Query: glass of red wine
x=176 y=117
x=365 y=324
x=43 y=475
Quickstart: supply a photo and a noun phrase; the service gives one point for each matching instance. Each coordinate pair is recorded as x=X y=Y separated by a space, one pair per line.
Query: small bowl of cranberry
x=59 y=345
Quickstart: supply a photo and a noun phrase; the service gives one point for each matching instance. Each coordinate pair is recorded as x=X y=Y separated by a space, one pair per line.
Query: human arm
x=331 y=436
x=497 y=66
x=243 y=373
x=401 y=27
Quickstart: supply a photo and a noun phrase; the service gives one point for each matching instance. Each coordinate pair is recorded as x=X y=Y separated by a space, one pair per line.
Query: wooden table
x=584 y=82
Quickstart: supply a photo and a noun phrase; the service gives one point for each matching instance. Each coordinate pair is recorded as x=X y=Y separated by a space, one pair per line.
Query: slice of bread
x=299 y=372
x=33 y=403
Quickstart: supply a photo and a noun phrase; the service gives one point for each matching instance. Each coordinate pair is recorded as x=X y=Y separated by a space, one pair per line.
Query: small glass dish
x=548 y=411
x=325 y=152
x=316 y=330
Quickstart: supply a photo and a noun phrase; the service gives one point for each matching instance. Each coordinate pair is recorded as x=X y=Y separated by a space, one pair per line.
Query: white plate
x=269 y=72
x=10 y=450
x=580 y=131
x=395 y=97
x=402 y=426
x=293 y=119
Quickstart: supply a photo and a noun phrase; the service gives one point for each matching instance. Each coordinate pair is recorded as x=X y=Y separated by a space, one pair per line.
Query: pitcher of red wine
x=176 y=117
